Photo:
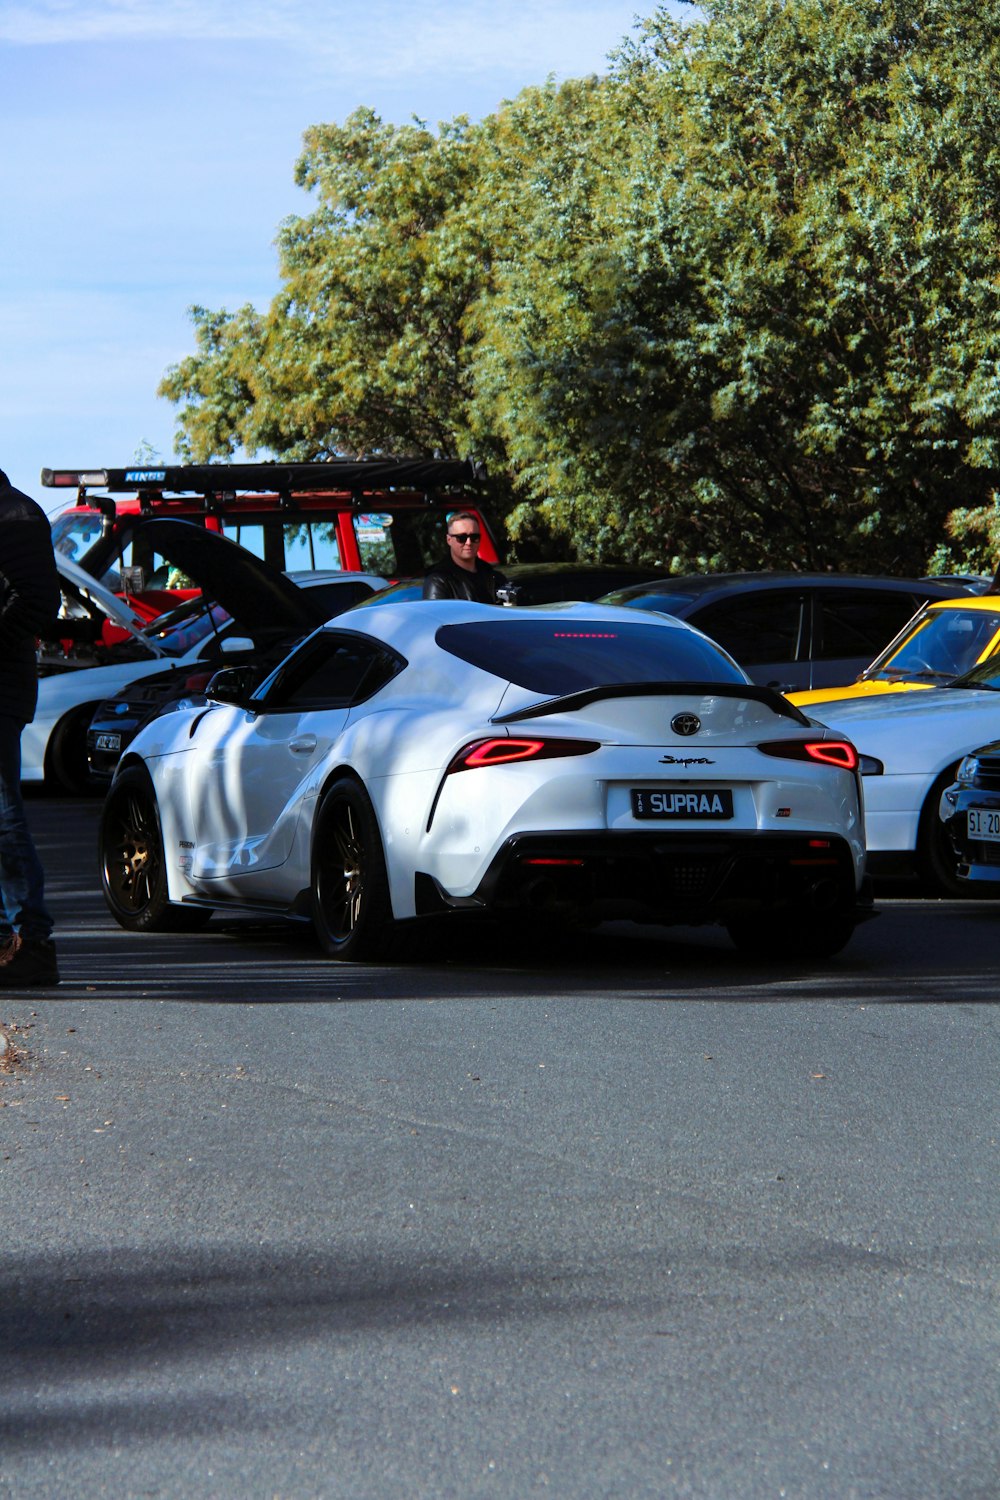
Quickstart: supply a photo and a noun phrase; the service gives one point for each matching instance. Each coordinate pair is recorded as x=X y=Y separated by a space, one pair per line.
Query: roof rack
x=354 y=475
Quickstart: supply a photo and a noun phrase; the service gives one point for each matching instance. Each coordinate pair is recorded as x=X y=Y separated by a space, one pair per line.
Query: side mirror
x=133 y=580
x=232 y=685
x=234 y=643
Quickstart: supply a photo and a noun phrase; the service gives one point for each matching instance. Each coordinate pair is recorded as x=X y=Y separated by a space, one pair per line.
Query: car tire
x=133 y=871
x=798 y=937
x=351 y=908
x=937 y=860
x=67 y=769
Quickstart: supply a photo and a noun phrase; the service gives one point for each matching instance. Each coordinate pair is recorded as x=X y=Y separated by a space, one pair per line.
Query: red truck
x=373 y=515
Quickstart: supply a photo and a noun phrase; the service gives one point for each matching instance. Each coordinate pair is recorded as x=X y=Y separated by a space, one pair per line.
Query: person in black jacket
x=463 y=574
x=29 y=603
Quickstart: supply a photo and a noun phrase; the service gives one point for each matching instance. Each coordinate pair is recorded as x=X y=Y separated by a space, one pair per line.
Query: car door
x=247 y=791
x=851 y=626
x=765 y=630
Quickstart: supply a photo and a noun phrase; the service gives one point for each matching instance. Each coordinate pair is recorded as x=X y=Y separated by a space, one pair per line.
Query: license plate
x=984 y=823
x=109 y=742
x=702 y=807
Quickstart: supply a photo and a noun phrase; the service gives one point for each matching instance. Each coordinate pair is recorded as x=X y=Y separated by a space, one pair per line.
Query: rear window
x=555 y=657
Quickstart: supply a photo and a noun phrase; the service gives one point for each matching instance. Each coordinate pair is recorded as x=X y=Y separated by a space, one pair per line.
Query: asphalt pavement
x=627 y=1216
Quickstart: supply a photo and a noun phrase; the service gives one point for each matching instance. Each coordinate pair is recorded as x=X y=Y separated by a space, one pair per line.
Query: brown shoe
x=32 y=961
x=9 y=947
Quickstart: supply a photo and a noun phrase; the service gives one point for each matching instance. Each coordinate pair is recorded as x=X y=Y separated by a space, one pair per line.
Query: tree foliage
x=735 y=303
x=362 y=348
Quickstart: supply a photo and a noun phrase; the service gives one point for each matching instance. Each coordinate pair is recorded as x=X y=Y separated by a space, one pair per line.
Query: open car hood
x=247 y=588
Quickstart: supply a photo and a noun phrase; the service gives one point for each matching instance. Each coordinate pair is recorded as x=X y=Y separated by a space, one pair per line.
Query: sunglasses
x=464 y=536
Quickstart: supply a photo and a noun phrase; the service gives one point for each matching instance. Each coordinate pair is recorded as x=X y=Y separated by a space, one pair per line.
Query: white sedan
x=448 y=757
x=911 y=745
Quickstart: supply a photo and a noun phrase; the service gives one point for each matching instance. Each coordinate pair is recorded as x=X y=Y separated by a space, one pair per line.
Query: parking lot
x=627 y=1216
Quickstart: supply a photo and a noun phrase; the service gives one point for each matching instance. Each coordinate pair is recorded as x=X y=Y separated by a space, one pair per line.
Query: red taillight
x=505 y=749
x=497 y=753
x=840 y=753
x=833 y=753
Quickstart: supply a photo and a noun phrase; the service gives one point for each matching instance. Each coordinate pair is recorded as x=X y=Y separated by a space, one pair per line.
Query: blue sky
x=149 y=161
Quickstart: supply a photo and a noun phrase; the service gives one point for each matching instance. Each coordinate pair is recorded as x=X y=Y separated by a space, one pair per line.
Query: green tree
x=362 y=349
x=736 y=303
x=779 y=339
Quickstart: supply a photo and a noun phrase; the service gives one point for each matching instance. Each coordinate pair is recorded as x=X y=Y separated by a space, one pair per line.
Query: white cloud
x=48 y=22
x=384 y=39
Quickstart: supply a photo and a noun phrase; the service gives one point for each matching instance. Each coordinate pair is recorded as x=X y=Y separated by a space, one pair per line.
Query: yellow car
x=944 y=639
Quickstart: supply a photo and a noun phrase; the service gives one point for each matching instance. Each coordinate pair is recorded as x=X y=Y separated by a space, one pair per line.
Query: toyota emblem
x=685 y=724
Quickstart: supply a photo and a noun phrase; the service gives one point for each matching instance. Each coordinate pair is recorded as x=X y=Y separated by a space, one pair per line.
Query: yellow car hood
x=856 y=690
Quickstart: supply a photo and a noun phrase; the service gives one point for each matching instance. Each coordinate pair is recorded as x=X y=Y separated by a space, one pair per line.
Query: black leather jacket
x=446 y=581
x=29 y=597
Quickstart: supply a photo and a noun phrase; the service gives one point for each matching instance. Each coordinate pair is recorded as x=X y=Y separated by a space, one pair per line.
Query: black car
x=540 y=583
x=792 y=631
x=560 y=582
x=970 y=812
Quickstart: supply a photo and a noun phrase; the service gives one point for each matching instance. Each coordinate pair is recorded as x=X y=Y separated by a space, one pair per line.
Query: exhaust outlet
x=824 y=895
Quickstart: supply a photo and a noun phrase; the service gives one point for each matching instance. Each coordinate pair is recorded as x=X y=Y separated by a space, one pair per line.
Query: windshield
x=985 y=675
x=946 y=643
x=186 y=626
x=74 y=531
x=556 y=657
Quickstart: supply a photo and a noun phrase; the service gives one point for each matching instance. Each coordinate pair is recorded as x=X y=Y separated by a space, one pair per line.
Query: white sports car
x=911 y=745
x=434 y=757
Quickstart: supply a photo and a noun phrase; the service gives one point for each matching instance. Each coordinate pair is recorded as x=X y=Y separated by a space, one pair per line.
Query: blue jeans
x=22 y=882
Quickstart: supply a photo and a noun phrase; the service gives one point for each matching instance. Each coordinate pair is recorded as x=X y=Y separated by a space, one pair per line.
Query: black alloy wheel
x=351 y=908
x=937 y=862
x=67 y=767
x=133 y=876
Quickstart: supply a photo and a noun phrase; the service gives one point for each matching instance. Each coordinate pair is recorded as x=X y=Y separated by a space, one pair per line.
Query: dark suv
x=792 y=631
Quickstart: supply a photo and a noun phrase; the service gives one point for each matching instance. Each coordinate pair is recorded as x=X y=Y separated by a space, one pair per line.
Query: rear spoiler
x=568 y=702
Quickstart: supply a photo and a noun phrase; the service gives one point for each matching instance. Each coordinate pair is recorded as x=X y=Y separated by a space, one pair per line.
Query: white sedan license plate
x=702 y=806
x=109 y=742
x=984 y=823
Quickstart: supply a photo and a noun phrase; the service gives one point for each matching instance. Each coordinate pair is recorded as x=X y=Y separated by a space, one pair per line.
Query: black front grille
x=984 y=852
x=988 y=774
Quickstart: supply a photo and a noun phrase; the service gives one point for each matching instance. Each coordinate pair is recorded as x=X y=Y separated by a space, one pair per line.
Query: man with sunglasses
x=463 y=574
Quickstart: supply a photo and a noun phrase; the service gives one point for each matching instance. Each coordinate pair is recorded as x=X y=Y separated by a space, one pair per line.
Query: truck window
x=312 y=545
x=408 y=542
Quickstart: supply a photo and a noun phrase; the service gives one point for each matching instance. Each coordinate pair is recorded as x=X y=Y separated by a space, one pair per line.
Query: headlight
x=968 y=769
